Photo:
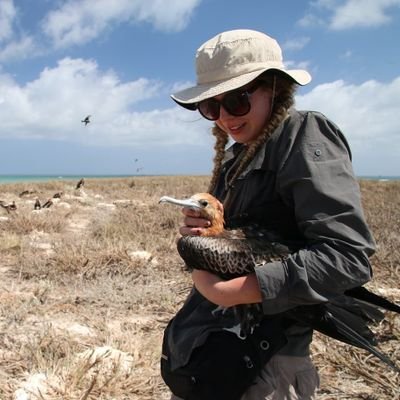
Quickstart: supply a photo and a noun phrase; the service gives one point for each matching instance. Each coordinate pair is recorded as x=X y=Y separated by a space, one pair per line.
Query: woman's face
x=247 y=128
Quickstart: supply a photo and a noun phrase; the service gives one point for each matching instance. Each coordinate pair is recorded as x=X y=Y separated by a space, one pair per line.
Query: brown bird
x=47 y=204
x=57 y=195
x=80 y=183
x=227 y=253
x=26 y=192
x=232 y=253
x=8 y=207
x=37 y=205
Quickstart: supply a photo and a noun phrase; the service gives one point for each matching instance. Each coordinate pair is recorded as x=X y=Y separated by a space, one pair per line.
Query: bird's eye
x=203 y=203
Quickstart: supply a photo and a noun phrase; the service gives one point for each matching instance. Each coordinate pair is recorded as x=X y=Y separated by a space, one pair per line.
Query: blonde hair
x=282 y=100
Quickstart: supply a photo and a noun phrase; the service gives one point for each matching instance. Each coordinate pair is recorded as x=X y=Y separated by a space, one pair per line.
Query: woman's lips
x=236 y=127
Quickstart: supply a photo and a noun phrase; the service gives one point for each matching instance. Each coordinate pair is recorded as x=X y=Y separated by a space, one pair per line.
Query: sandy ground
x=82 y=315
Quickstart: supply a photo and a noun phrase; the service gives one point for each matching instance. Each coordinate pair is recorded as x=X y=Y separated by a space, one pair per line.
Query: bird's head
x=207 y=205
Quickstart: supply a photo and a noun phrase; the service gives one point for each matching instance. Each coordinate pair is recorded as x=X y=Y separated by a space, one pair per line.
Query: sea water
x=47 y=178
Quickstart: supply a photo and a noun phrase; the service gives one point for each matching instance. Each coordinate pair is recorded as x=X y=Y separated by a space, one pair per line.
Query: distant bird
x=47 y=204
x=86 y=120
x=233 y=253
x=37 y=205
x=57 y=195
x=8 y=207
x=80 y=183
x=26 y=192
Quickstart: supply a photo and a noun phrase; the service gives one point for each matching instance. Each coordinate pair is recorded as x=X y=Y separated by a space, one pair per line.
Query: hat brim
x=189 y=97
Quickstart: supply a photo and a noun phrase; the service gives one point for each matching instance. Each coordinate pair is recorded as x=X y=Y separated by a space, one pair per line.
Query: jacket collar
x=255 y=164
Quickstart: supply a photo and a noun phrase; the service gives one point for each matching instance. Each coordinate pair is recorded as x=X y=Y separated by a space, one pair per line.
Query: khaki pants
x=284 y=378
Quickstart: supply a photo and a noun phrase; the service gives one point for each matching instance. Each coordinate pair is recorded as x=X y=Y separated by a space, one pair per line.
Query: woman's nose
x=223 y=114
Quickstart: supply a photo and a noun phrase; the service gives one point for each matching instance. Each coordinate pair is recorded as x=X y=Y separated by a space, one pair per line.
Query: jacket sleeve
x=317 y=181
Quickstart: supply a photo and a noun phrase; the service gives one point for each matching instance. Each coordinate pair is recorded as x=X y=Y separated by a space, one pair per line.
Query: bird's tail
x=362 y=293
x=345 y=320
x=356 y=338
x=356 y=332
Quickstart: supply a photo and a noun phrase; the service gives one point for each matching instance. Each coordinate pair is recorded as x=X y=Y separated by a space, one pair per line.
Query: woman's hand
x=242 y=290
x=193 y=224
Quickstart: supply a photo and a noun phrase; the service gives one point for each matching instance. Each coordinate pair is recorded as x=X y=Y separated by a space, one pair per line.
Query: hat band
x=224 y=74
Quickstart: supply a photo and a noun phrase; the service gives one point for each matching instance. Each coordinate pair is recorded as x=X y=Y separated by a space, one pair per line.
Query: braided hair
x=283 y=98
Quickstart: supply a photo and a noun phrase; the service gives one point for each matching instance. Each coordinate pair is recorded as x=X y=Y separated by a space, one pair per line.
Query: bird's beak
x=191 y=203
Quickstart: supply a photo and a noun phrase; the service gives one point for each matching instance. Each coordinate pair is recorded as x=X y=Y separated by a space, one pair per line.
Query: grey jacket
x=301 y=185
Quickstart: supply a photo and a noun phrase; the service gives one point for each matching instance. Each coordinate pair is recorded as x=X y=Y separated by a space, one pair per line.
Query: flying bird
x=86 y=120
x=233 y=253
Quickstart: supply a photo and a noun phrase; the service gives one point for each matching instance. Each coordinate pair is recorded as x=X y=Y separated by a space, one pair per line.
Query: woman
x=288 y=171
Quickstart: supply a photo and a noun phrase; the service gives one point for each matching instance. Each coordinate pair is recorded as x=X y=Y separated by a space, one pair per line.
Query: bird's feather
x=229 y=256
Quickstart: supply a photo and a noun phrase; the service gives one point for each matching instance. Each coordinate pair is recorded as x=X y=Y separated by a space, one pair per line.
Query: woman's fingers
x=196 y=222
x=190 y=212
x=189 y=231
x=193 y=224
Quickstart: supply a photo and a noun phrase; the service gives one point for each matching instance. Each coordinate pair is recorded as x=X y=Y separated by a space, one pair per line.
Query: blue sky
x=119 y=60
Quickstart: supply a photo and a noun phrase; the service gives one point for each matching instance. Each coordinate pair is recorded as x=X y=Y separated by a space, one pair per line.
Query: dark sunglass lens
x=209 y=109
x=236 y=103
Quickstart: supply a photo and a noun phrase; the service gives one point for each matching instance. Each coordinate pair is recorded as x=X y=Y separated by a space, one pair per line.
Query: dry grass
x=89 y=284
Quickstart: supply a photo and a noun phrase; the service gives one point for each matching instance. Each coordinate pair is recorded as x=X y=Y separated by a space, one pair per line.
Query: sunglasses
x=235 y=103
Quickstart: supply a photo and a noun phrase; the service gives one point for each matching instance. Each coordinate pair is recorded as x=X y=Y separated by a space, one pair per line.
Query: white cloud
x=325 y=3
x=347 y=54
x=296 y=44
x=290 y=64
x=311 y=20
x=366 y=113
x=178 y=86
x=14 y=44
x=18 y=49
x=339 y=15
x=52 y=106
x=77 y=22
x=7 y=16
x=363 y=13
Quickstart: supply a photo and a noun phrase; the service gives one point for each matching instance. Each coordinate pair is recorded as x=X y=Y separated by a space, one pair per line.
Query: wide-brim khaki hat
x=231 y=60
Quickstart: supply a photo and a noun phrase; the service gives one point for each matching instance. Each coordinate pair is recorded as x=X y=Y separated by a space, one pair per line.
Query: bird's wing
x=228 y=257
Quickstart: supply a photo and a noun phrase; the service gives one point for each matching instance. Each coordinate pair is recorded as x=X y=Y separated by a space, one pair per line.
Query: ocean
x=380 y=178
x=47 y=178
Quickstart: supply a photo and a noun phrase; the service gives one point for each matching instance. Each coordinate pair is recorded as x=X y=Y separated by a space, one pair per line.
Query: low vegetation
x=88 y=285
